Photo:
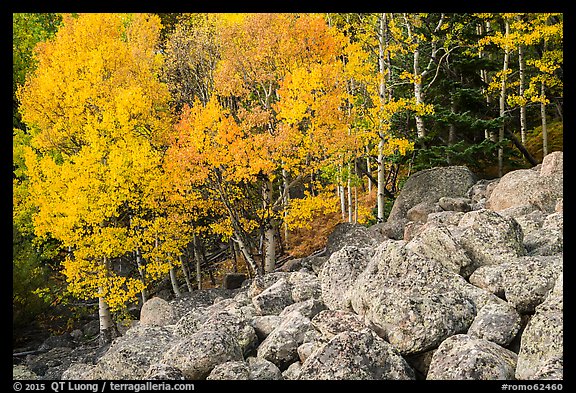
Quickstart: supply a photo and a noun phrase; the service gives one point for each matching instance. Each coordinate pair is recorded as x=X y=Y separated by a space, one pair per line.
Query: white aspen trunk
x=484 y=76
x=342 y=202
x=140 y=267
x=382 y=35
x=522 y=72
x=198 y=260
x=174 y=282
x=269 y=231
x=355 y=195
x=270 y=257
x=341 y=193
x=142 y=277
x=286 y=201
x=503 y=102
x=108 y=329
x=237 y=229
x=420 y=129
x=247 y=256
x=185 y=273
x=544 y=125
x=349 y=187
x=418 y=93
x=381 y=179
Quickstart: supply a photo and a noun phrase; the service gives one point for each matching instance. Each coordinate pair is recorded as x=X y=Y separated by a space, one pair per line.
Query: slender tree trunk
x=142 y=277
x=270 y=256
x=544 y=125
x=419 y=95
x=418 y=91
x=522 y=72
x=233 y=255
x=247 y=256
x=488 y=134
x=503 y=102
x=269 y=229
x=451 y=131
x=349 y=187
x=341 y=193
x=198 y=259
x=174 y=282
x=368 y=169
x=355 y=194
x=140 y=268
x=381 y=182
x=108 y=330
x=382 y=43
x=285 y=202
x=185 y=273
x=238 y=237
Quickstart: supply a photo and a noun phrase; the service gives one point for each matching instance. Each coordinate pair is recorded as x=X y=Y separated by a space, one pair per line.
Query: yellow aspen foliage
x=98 y=116
x=301 y=211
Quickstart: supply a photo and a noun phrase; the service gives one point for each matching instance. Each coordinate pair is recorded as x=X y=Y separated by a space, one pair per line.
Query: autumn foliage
x=146 y=144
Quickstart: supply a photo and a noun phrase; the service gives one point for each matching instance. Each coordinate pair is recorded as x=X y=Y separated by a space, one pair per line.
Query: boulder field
x=463 y=282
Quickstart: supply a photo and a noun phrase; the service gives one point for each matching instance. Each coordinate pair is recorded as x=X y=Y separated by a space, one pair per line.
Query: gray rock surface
x=428 y=186
x=349 y=234
x=197 y=354
x=541 y=353
x=436 y=242
x=332 y=322
x=413 y=302
x=496 y=322
x=157 y=312
x=130 y=356
x=461 y=357
x=470 y=292
x=281 y=345
x=356 y=355
x=272 y=300
x=524 y=282
x=339 y=274
x=541 y=188
x=489 y=238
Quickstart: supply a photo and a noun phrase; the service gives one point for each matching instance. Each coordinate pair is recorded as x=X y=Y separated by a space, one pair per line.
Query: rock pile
x=464 y=281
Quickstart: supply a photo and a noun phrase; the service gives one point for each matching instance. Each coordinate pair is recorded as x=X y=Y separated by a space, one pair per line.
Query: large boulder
x=196 y=355
x=130 y=356
x=357 y=356
x=232 y=370
x=541 y=353
x=332 y=322
x=489 y=238
x=350 y=234
x=496 y=322
x=281 y=345
x=541 y=188
x=411 y=301
x=549 y=238
x=462 y=357
x=304 y=286
x=240 y=328
x=157 y=312
x=427 y=186
x=273 y=299
x=194 y=300
x=436 y=241
x=339 y=274
x=524 y=282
